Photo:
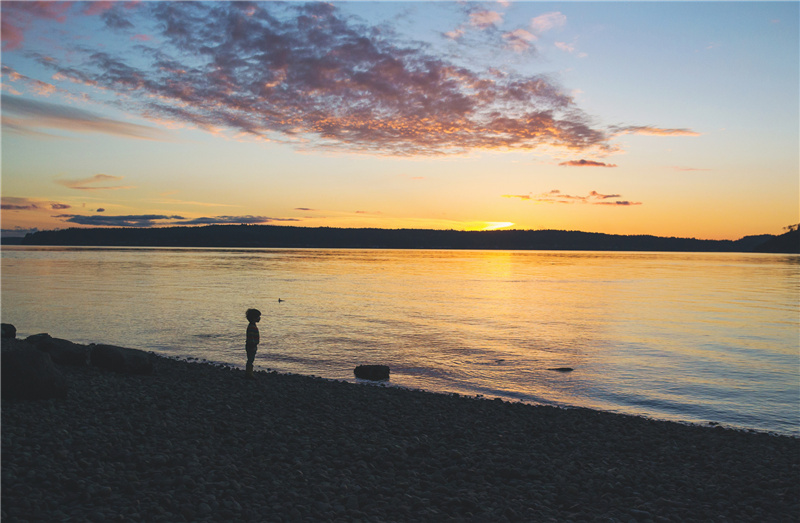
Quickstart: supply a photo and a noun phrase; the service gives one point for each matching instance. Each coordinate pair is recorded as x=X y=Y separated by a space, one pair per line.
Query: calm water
x=684 y=336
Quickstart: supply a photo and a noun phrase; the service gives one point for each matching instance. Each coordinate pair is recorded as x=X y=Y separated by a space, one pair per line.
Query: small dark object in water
x=563 y=369
x=372 y=372
x=280 y=300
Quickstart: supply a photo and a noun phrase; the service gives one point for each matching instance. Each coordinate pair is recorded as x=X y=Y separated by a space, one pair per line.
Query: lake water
x=683 y=336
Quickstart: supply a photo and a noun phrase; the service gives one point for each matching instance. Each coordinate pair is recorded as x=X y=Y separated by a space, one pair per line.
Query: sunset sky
x=665 y=118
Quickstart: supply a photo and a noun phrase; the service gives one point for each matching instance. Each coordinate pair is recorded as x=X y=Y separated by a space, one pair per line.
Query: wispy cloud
x=653 y=131
x=32 y=115
x=36 y=86
x=546 y=22
x=483 y=19
x=586 y=163
x=13 y=203
x=216 y=220
x=593 y=198
x=88 y=184
x=678 y=168
x=18 y=16
x=519 y=40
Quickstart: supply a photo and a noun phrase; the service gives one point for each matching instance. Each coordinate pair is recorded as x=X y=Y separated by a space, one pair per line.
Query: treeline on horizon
x=329 y=237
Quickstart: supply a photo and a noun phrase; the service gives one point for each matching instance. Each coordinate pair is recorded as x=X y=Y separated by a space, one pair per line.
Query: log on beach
x=197 y=442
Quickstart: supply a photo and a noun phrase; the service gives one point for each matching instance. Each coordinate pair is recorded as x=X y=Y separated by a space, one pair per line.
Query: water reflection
x=663 y=334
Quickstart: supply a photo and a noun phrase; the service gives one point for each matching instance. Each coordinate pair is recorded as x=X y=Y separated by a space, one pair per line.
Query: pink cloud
x=655 y=131
x=89 y=184
x=586 y=163
x=548 y=21
x=593 y=198
x=97 y=7
x=17 y=17
x=485 y=19
x=519 y=40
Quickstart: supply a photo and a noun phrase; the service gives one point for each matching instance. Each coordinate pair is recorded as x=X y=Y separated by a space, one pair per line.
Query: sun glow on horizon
x=493 y=226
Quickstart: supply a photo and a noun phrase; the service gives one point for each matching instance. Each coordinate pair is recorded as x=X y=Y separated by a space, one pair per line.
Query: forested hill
x=325 y=237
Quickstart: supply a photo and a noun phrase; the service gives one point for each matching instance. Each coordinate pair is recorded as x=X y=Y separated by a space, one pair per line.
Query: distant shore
x=273 y=236
x=197 y=442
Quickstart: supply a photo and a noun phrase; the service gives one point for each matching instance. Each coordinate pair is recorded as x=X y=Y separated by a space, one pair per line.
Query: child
x=251 y=345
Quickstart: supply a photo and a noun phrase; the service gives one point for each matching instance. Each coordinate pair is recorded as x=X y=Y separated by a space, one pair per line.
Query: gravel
x=198 y=442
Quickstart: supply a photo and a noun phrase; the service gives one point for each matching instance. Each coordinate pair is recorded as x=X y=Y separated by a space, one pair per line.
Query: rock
x=29 y=374
x=120 y=359
x=8 y=331
x=62 y=352
x=372 y=372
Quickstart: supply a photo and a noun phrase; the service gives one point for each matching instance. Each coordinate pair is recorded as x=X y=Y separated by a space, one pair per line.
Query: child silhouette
x=251 y=345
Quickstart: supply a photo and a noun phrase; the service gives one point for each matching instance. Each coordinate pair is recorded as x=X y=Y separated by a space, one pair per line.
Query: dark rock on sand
x=372 y=372
x=120 y=359
x=63 y=352
x=29 y=374
x=8 y=331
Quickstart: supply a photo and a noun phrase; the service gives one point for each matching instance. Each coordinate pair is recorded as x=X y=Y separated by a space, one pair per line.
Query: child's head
x=253 y=315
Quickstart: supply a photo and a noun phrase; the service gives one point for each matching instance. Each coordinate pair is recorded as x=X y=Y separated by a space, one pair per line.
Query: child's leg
x=251 y=356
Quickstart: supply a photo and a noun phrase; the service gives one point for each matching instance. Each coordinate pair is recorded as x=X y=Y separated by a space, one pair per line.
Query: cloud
x=543 y=23
x=677 y=168
x=235 y=220
x=18 y=207
x=13 y=203
x=556 y=196
x=37 y=86
x=34 y=114
x=653 y=131
x=18 y=16
x=586 y=163
x=519 y=40
x=139 y=220
x=153 y=220
x=305 y=74
x=101 y=210
x=455 y=34
x=304 y=209
x=85 y=184
x=485 y=19
x=309 y=75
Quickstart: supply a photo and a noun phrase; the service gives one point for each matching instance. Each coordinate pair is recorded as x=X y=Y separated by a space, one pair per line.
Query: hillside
x=325 y=237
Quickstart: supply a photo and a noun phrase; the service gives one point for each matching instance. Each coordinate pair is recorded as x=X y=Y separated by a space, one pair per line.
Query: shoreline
x=195 y=441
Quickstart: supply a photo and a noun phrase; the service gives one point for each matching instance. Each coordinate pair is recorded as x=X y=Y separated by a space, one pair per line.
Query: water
x=684 y=336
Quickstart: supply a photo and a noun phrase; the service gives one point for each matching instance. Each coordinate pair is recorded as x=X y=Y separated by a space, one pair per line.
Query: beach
x=195 y=441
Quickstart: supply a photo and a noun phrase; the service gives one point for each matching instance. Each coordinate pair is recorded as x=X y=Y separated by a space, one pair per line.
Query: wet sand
x=197 y=442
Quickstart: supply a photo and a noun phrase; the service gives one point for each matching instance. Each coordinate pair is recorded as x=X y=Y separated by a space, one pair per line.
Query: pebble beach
x=195 y=441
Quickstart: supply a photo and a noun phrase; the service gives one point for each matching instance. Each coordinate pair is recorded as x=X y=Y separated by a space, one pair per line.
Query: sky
x=664 y=118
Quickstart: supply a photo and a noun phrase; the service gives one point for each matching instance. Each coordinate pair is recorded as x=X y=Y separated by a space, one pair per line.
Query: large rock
x=120 y=359
x=8 y=331
x=372 y=372
x=62 y=352
x=29 y=374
